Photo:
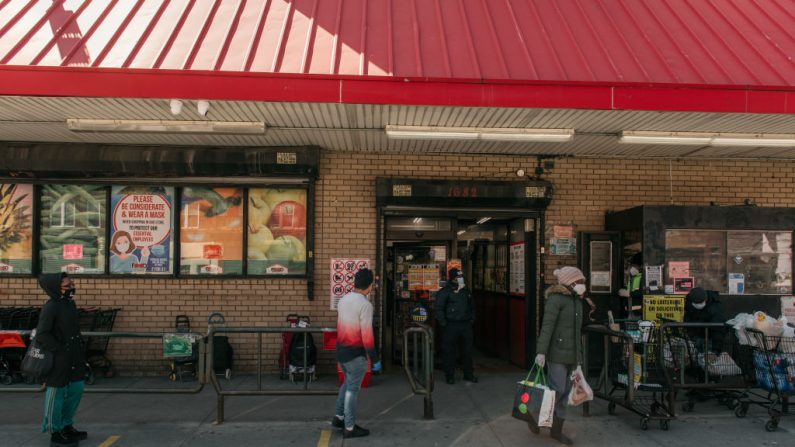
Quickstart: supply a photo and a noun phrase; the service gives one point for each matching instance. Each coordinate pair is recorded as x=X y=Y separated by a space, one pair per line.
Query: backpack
x=297 y=350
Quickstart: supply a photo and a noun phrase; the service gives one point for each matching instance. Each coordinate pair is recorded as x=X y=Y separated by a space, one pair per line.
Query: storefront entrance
x=495 y=248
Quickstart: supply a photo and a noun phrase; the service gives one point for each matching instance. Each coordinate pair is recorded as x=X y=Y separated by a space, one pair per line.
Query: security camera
x=176 y=106
x=202 y=107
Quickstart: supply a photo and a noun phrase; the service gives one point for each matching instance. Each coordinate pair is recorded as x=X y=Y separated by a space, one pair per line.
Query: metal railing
x=601 y=386
x=222 y=394
x=420 y=370
x=200 y=369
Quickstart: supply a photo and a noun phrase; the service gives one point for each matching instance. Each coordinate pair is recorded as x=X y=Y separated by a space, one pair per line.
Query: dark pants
x=453 y=332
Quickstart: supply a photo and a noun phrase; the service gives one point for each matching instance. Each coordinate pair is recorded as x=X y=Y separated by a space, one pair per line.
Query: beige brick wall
x=345 y=227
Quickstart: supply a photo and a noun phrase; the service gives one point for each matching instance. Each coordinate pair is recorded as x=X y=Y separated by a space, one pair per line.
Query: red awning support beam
x=235 y=86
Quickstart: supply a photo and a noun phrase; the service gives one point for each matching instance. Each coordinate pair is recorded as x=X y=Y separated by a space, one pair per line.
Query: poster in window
x=72 y=238
x=277 y=231
x=16 y=216
x=141 y=229
x=211 y=231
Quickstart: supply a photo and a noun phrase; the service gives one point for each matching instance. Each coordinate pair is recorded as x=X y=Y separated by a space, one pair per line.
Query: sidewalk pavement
x=466 y=415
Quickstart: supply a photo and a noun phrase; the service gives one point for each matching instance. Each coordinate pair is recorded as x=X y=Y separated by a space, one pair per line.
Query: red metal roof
x=745 y=45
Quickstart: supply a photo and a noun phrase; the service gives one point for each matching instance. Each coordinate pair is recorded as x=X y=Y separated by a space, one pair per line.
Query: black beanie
x=454 y=273
x=363 y=279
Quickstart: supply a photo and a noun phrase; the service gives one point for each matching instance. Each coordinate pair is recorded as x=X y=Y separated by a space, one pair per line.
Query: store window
x=72 y=235
x=16 y=217
x=277 y=231
x=211 y=231
x=731 y=262
x=760 y=262
x=695 y=258
x=142 y=230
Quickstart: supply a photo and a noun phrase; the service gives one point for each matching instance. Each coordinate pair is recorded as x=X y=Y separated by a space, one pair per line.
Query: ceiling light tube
x=676 y=138
x=478 y=133
x=754 y=142
x=483 y=220
x=165 y=126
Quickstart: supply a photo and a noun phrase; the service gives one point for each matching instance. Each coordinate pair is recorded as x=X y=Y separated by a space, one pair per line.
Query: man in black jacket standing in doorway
x=455 y=312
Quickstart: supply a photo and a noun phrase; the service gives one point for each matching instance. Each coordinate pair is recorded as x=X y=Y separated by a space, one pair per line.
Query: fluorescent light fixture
x=755 y=142
x=417 y=220
x=460 y=232
x=164 y=126
x=483 y=220
x=478 y=133
x=676 y=138
x=708 y=139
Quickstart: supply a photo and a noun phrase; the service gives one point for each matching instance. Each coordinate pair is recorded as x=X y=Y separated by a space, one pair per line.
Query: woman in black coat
x=58 y=331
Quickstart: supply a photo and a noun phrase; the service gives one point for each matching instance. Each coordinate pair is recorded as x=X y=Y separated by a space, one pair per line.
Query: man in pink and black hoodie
x=355 y=343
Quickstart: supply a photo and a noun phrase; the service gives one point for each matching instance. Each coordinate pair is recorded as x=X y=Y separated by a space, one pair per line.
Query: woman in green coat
x=560 y=342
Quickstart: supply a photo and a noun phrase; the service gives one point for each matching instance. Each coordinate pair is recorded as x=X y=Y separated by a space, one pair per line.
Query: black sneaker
x=63 y=439
x=337 y=422
x=472 y=379
x=357 y=432
x=75 y=433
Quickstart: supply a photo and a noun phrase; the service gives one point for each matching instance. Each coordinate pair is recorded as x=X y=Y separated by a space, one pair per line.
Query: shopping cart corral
x=632 y=374
x=706 y=361
x=773 y=360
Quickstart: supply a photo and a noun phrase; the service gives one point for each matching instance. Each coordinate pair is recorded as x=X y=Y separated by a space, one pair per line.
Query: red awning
x=707 y=55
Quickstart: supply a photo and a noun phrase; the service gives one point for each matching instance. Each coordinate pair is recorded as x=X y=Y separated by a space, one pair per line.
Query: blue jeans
x=558 y=377
x=353 y=371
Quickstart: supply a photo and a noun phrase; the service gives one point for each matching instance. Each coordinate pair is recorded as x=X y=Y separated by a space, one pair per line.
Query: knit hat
x=568 y=275
x=697 y=295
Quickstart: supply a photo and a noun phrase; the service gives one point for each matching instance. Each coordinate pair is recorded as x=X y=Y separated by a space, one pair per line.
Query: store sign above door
x=533 y=194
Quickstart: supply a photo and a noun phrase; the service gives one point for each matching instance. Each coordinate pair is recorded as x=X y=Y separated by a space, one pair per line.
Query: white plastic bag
x=719 y=366
x=580 y=390
x=767 y=325
x=547 y=409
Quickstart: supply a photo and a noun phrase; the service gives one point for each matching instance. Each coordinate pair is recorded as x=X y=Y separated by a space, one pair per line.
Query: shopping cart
x=19 y=318
x=707 y=362
x=287 y=337
x=94 y=319
x=12 y=350
x=632 y=373
x=774 y=368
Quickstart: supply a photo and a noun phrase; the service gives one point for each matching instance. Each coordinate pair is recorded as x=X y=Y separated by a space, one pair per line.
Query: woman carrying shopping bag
x=560 y=343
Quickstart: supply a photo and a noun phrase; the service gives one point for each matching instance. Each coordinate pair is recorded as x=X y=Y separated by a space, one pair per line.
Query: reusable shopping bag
x=532 y=396
x=580 y=390
x=37 y=361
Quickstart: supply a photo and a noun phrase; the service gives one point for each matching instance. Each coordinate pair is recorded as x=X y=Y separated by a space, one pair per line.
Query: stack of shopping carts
x=97 y=320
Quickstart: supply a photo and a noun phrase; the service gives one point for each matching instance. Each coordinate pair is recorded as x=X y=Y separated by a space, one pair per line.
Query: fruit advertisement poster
x=142 y=225
x=16 y=214
x=211 y=231
x=72 y=238
x=277 y=231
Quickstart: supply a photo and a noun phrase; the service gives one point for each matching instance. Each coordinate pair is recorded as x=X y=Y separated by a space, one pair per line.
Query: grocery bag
x=37 y=362
x=547 y=411
x=531 y=396
x=580 y=390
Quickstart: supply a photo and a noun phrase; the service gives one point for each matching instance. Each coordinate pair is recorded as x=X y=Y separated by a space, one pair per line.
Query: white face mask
x=579 y=289
x=460 y=281
x=633 y=271
x=700 y=306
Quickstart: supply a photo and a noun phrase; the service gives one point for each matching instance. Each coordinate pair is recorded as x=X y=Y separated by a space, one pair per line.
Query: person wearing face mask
x=704 y=306
x=58 y=331
x=455 y=313
x=559 y=344
x=632 y=294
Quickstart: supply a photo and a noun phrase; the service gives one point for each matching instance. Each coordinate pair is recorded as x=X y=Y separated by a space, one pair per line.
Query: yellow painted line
x=108 y=442
x=325 y=436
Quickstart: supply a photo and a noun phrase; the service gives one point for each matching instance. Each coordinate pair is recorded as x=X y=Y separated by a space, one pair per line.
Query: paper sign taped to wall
x=669 y=307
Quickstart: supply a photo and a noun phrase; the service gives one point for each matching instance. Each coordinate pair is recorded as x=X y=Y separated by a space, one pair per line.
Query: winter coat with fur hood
x=560 y=339
x=59 y=331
